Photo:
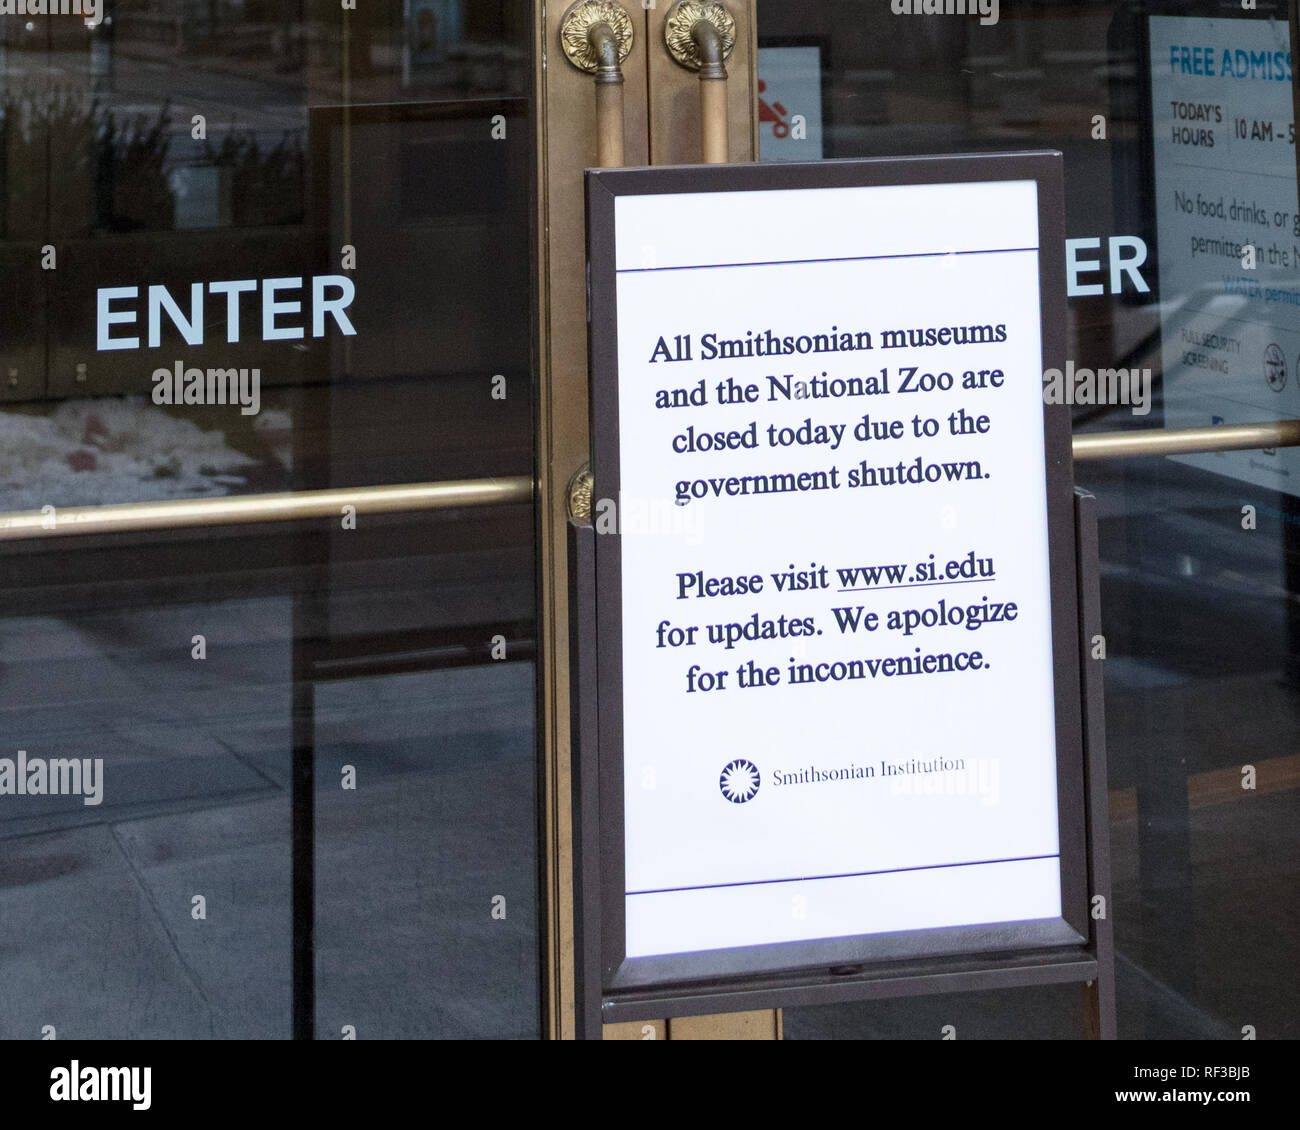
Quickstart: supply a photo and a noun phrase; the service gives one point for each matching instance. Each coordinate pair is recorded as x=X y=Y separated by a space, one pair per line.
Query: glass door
x=270 y=624
x=1176 y=124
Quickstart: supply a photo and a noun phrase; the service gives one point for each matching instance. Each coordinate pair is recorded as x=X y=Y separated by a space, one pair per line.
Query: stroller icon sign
x=775 y=113
x=792 y=94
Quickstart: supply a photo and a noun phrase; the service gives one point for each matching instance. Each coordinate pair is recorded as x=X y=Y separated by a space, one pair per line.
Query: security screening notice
x=1223 y=148
x=838 y=678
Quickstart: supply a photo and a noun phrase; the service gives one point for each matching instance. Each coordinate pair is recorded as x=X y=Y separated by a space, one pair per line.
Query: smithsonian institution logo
x=739 y=781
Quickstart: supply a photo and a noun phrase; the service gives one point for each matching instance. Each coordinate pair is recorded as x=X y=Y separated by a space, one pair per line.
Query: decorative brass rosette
x=575 y=31
x=581 y=488
x=680 y=25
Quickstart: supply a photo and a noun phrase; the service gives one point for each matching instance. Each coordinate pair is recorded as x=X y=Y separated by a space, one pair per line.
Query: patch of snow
x=98 y=452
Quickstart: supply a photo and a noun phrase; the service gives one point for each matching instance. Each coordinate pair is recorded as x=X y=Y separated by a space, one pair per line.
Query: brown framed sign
x=832 y=672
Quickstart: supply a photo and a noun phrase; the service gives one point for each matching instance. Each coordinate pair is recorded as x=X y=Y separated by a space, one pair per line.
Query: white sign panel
x=837 y=673
x=1228 y=229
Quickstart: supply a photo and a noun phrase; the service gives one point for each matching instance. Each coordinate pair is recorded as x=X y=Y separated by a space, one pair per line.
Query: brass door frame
x=567 y=141
x=655 y=87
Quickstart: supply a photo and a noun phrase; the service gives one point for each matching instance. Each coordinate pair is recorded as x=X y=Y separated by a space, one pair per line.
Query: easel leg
x=1099 y=995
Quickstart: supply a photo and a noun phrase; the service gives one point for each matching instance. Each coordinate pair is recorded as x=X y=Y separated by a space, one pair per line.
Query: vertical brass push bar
x=701 y=35
x=596 y=36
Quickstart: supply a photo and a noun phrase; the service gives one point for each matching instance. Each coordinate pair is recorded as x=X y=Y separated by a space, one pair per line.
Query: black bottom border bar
x=367 y=1078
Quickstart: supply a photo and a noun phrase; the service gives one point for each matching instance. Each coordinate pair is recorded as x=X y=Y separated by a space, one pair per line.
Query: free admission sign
x=837 y=632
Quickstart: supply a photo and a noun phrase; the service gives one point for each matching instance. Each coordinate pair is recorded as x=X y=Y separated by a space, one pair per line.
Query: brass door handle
x=701 y=35
x=596 y=36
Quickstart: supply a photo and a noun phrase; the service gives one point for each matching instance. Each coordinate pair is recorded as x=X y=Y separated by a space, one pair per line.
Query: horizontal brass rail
x=238 y=509
x=292 y=505
x=1186 y=441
